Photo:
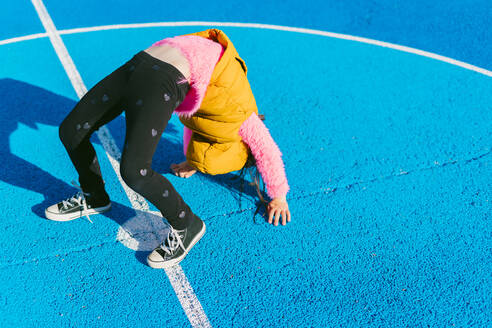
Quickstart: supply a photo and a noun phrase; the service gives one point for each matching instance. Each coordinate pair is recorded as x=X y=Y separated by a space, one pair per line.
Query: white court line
x=24 y=38
x=177 y=278
x=274 y=27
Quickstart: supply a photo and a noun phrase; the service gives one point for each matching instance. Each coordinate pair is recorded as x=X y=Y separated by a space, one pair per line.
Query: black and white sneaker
x=74 y=207
x=177 y=245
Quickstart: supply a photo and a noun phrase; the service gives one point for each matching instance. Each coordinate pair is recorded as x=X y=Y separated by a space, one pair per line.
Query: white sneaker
x=73 y=208
x=176 y=246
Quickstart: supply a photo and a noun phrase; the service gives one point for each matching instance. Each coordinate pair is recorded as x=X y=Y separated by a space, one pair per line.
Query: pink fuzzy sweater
x=202 y=55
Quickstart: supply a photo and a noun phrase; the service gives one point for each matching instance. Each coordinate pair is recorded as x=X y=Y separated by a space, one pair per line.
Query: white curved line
x=24 y=38
x=269 y=27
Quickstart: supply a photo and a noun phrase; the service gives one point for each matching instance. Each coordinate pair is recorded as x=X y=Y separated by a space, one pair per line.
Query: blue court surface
x=382 y=111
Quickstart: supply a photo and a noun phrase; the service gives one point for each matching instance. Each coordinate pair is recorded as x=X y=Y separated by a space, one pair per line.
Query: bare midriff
x=171 y=55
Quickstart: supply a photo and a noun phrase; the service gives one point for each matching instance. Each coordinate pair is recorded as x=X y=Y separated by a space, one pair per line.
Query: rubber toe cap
x=154 y=257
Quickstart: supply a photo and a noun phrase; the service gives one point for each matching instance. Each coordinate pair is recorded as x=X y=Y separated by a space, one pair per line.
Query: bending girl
x=202 y=78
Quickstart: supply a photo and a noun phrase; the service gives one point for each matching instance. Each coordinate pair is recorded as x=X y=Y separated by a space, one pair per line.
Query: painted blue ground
x=457 y=29
x=388 y=159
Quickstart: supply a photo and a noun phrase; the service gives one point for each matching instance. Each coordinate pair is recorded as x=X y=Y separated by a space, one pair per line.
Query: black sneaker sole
x=75 y=215
x=175 y=261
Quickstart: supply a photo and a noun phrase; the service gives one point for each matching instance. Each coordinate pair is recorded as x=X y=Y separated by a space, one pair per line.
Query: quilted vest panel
x=215 y=146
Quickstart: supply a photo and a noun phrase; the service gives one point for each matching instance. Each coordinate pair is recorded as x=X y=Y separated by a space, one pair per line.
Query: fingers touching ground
x=274 y=215
x=183 y=170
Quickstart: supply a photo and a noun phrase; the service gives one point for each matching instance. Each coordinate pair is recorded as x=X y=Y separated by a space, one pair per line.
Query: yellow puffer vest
x=215 y=146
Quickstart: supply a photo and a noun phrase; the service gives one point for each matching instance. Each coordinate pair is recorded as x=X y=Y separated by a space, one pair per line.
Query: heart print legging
x=148 y=90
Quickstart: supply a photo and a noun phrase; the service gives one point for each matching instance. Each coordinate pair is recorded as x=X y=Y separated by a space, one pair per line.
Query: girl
x=202 y=78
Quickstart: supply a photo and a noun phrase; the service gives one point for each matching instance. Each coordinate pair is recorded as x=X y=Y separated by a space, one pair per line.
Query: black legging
x=148 y=90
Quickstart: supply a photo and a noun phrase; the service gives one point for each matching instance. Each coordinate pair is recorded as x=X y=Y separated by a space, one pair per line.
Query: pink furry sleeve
x=267 y=155
x=186 y=138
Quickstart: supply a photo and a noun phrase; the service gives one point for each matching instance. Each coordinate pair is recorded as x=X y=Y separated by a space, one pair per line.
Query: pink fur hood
x=202 y=55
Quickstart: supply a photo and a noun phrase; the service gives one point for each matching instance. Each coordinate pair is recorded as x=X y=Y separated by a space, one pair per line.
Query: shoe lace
x=77 y=200
x=173 y=242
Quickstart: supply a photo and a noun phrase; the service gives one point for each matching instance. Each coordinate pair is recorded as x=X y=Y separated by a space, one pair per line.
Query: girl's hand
x=278 y=206
x=183 y=169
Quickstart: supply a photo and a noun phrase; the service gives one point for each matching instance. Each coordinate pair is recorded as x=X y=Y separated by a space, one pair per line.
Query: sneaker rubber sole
x=175 y=261
x=75 y=215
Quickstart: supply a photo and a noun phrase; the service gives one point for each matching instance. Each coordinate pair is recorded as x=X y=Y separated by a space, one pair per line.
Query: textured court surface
x=387 y=154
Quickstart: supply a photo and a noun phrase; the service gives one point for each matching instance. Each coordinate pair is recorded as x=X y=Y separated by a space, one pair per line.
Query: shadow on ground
x=31 y=105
